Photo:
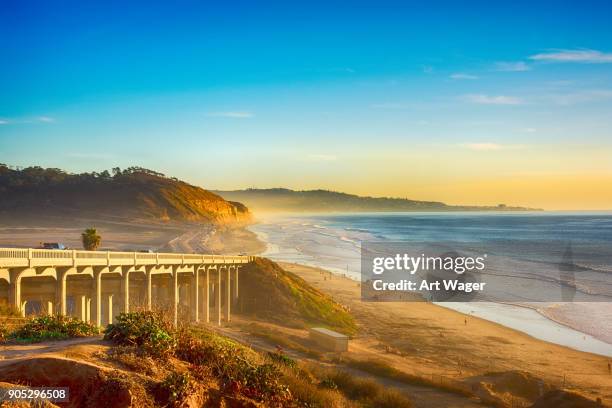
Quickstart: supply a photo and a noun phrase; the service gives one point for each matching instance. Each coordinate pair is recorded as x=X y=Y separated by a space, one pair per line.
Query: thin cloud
x=493 y=100
x=516 y=66
x=235 y=115
x=427 y=69
x=463 y=76
x=530 y=130
x=578 y=56
x=586 y=96
x=45 y=119
x=4 y=122
x=487 y=147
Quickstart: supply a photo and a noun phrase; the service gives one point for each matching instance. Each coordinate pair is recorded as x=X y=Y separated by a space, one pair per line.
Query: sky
x=467 y=102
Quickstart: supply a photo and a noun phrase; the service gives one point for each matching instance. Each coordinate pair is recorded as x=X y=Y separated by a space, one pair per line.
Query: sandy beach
x=427 y=339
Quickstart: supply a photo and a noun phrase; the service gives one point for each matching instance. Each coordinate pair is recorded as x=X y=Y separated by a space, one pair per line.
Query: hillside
x=282 y=199
x=271 y=293
x=135 y=194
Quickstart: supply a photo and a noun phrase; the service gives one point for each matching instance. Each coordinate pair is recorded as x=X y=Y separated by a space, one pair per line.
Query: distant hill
x=282 y=199
x=135 y=194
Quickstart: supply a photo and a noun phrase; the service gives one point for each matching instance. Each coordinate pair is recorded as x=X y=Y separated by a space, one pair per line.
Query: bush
x=148 y=330
x=53 y=328
x=236 y=366
x=4 y=333
x=282 y=359
x=177 y=386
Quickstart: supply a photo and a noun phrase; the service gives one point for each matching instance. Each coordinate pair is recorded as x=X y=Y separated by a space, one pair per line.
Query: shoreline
x=555 y=331
x=427 y=339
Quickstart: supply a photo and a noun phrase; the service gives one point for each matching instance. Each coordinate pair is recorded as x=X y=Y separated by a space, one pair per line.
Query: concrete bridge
x=95 y=286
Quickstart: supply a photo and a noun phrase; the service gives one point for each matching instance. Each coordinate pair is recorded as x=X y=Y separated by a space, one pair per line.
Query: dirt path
x=15 y=352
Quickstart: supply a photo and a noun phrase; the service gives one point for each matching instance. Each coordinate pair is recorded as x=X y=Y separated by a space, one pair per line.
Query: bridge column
x=175 y=295
x=125 y=289
x=109 y=306
x=206 y=299
x=96 y=306
x=236 y=284
x=60 y=291
x=228 y=292
x=149 y=287
x=15 y=288
x=81 y=307
x=218 y=295
x=195 y=294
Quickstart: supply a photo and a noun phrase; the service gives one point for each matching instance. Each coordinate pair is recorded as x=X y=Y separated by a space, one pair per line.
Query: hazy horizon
x=478 y=105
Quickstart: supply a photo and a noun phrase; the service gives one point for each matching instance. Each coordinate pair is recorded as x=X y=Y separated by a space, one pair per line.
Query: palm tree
x=91 y=239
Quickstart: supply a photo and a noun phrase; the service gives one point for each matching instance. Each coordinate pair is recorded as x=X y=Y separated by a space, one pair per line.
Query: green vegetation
x=149 y=330
x=196 y=359
x=273 y=294
x=52 y=328
x=177 y=387
x=91 y=239
x=134 y=193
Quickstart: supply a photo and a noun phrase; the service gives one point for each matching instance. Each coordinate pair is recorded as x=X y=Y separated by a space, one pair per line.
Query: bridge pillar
x=125 y=289
x=109 y=306
x=149 y=283
x=60 y=291
x=195 y=294
x=236 y=284
x=22 y=308
x=206 y=299
x=15 y=288
x=228 y=293
x=175 y=295
x=81 y=307
x=96 y=306
x=218 y=295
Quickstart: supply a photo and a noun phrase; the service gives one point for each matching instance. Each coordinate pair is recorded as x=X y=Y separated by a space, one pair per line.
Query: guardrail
x=30 y=257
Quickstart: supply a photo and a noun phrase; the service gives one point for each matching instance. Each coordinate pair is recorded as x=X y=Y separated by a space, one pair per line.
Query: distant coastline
x=287 y=200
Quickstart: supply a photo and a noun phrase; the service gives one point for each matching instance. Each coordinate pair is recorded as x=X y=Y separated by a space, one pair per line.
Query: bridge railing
x=30 y=257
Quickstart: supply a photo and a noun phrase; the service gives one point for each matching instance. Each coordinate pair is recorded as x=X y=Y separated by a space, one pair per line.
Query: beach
x=333 y=243
x=430 y=340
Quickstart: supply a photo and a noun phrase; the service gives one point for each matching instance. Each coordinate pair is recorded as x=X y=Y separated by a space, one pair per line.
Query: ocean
x=528 y=249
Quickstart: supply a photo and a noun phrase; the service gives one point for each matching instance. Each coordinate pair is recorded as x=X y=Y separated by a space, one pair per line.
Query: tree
x=91 y=239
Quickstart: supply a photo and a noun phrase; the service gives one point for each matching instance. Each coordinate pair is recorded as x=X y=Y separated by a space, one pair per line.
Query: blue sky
x=436 y=100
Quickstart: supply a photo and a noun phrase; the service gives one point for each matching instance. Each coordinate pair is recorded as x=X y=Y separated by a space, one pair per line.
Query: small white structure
x=329 y=339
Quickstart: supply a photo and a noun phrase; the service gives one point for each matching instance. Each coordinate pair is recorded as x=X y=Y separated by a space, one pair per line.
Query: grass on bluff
x=238 y=372
x=50 y=328
x=269 y=292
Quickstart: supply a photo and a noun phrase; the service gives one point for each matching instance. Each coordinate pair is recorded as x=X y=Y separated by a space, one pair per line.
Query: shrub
x=236 y=366
x=177 y=386
x=148 y=330
x=4 y=333
x=282 y=359
x=53 y=328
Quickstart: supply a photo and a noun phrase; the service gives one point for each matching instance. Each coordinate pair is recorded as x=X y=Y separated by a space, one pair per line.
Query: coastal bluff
x=134 y=195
